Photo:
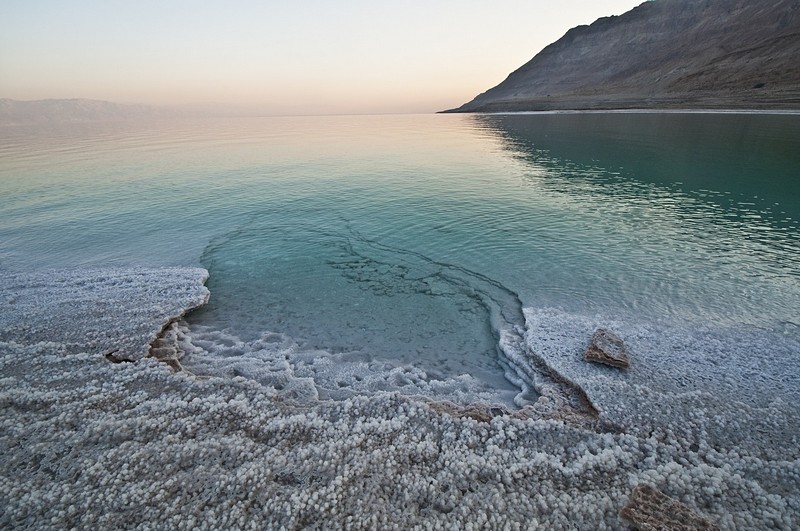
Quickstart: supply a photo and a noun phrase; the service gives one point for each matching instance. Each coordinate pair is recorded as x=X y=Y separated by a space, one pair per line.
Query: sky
x=278 y=57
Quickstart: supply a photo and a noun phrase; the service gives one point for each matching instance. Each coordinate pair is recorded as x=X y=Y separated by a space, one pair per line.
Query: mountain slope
x=662 y=54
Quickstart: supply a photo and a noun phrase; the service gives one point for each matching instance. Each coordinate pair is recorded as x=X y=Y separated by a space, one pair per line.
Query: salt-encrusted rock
x=608 y=348
x=650 y=510
x=477 y=411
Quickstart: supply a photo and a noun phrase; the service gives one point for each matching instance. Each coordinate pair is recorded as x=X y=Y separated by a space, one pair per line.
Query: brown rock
x=665 y=54
x=650 y=510
x=608 y=348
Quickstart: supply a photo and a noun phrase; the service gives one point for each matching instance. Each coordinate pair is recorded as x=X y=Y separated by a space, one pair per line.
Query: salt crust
x=306 y=376
x=91 y=444
x=726 y=387
x=98 y=310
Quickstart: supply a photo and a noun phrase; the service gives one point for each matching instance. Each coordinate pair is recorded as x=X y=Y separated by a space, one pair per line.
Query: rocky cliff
x=664 y=54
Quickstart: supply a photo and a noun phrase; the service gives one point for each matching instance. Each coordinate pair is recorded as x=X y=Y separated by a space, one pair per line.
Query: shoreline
x=771 y=112
x=680 y=102
x=93 y=443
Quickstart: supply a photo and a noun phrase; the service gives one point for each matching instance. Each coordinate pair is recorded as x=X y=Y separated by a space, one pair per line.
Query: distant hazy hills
x=664 y=54
x=14 y=112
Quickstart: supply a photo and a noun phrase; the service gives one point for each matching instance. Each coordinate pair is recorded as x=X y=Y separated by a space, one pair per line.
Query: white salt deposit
x=276 y=361
x=725 y=387
x=103 y=310
x=92 y=444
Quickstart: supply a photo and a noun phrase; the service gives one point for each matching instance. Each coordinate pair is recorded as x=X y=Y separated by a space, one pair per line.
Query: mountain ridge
x=71 y=110
x=664 y=54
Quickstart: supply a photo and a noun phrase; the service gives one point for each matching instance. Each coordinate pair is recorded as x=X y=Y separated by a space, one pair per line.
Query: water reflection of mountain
x=729 y=183
x=741 y=168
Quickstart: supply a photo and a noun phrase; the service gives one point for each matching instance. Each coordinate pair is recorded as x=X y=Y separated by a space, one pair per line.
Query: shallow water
x=418 y=240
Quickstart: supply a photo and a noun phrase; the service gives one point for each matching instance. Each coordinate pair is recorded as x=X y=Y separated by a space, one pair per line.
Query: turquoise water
x=420 y=239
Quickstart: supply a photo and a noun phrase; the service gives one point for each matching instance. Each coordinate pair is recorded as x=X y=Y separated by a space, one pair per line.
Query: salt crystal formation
x=651 y=510
x=115 y=311
x=690 y=382
x=87 y=443
x=608 y=348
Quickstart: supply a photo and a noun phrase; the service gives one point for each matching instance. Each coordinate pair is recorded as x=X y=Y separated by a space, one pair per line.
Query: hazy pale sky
x=287 y=57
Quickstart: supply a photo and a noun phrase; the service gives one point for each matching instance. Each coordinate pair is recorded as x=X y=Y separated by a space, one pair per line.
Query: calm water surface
x=413 y=238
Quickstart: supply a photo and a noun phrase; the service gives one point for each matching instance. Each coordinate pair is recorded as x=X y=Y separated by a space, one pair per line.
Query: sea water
x=418 y=243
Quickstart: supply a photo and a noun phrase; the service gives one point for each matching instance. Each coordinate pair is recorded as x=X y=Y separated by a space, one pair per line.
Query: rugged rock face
x=664 y=54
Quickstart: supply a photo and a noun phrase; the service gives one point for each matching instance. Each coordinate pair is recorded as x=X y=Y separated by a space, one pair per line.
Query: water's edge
x=130 y=442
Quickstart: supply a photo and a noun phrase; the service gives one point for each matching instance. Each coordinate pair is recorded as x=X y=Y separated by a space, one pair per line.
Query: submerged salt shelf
x=91 y=443
x=354 y=314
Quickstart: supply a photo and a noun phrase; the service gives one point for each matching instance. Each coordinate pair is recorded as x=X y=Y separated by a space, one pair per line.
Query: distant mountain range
x=15 y=112
x=664 y=54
